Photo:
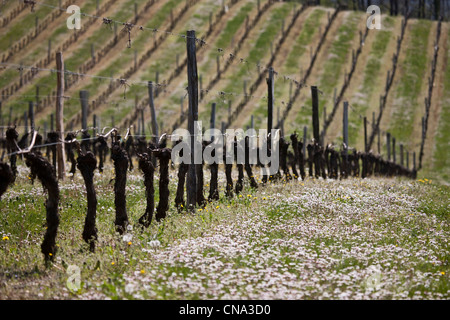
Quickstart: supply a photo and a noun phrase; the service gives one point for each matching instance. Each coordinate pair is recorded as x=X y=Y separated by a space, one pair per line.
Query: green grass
x=83 y=53
x=440 y=167
x=17 y=30
x=311 y=237
x=166 y=62
x=414 y=72
x=372 y=71
x=309 y=30
x=224 y=40
x=98 y=38
x=233 y=25
x=333 y=68
x=259 y=50
x=301 y=45
x=46 y=81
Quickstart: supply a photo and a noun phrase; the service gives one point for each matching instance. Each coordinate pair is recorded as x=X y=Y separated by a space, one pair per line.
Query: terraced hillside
x=241 y=39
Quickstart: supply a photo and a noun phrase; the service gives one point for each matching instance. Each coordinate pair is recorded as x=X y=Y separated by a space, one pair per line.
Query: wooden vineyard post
x=393 y=150
x=153 y=112
x=2 y=124
x=315 y=113
x=212 y=122
x=305 y=132
x=191 y=181
x=270 y=89
x=379 y=141
x=407 y=159
x=388 y=146
x=31 y=115
x=345 y=123
x=60 y=154
x=365 y=135
x=84 y=96
x=142 y=123
x=25 y=123
x=345 y=136
x=401 y=154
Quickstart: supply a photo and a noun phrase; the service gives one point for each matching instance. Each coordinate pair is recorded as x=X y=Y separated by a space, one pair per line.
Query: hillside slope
x=251 y=34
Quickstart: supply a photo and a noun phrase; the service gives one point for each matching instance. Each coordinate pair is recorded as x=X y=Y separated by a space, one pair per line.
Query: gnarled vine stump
x=120 y=159
x=164 y=156
x=87 y=163
x=6 y=177
x=45 y=172
x=146 y=166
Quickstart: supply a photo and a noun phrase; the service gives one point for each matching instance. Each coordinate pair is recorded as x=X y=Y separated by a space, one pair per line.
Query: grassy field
x=372 y=71
x=440 y=160
x=405 y=101
x=414 y=70
x=314 y=239
x=333 y=68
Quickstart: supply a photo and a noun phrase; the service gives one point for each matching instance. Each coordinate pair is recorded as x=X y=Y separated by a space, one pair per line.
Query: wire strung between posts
x=221 y=94
x=36 y=98
x=107 y=21
x=20 y=67
x=129 y=26
x=229 y=56
x=126 y=82
x=117 y=130
x=32 y=146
